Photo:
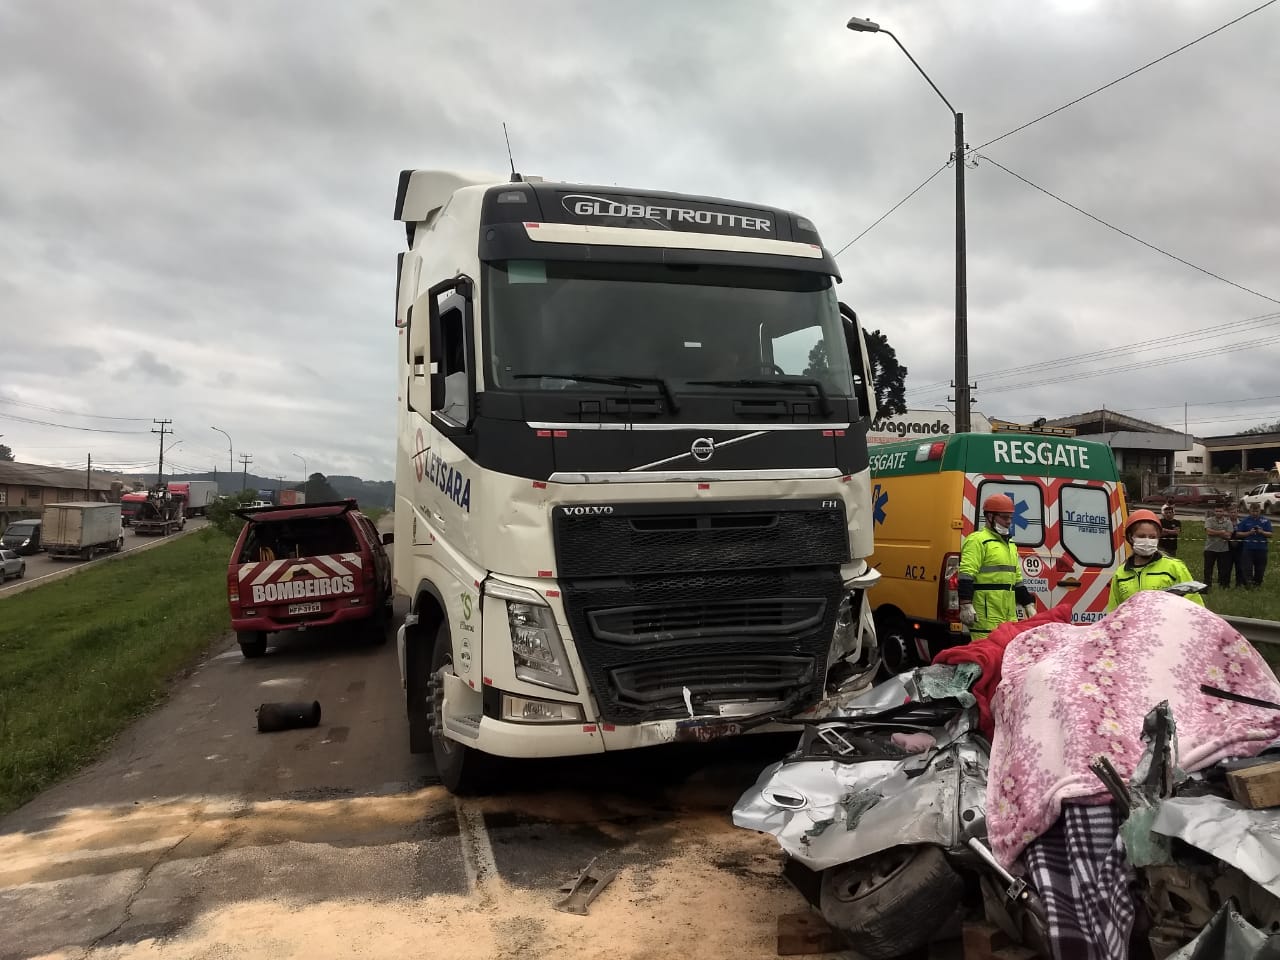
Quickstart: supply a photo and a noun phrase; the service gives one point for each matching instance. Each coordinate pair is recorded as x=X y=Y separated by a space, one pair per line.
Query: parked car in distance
x=1267 y=494
x=11 y=565
x=1190 y=495
x=22 y=536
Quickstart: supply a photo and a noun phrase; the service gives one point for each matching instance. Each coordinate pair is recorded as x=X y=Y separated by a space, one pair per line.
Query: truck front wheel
x=462 y=769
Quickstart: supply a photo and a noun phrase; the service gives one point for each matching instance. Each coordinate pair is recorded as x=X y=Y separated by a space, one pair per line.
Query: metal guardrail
x=1257 y=631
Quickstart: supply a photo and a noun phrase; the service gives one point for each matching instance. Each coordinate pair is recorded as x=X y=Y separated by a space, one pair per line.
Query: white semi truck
x=632 y=489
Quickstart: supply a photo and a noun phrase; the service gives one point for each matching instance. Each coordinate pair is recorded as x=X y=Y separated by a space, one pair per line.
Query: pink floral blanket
x=1069 y=693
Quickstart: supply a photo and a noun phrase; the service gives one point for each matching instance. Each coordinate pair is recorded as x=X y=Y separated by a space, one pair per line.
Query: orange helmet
x=1139 y=516
x=998 y=503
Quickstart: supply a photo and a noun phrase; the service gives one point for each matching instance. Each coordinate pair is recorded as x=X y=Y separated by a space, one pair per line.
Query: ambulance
x=1068 y=525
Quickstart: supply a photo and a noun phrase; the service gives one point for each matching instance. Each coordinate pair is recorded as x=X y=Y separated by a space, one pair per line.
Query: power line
x=1235 y=327
x=67 y=413
x=1124 y=368
x=64 y=426
x=893 y=208
x=1127 y=75
x=1125 y=233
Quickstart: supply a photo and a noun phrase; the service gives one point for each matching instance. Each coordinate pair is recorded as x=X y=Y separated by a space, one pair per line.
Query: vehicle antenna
x=515 y=177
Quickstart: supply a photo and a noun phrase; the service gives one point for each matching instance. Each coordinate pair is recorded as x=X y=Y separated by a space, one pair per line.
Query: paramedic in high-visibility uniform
x=990 y=577
x=1147 y=568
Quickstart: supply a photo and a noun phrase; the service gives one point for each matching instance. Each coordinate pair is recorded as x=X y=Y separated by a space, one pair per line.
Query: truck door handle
x=438 y=518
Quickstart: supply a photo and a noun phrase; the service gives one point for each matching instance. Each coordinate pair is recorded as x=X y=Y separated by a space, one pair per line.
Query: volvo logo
x=587 y=511
x=702 y=449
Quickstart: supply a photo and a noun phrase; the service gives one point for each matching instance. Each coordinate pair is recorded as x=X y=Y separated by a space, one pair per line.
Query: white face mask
x=1145 y=546
x=1002 y=529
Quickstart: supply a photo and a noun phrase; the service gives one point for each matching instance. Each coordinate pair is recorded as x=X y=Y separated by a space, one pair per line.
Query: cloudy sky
x=196 y=198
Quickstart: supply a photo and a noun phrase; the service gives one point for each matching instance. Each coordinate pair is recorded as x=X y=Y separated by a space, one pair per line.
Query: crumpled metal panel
x=825 y=813
x=1249 y=840
x=1230 y=937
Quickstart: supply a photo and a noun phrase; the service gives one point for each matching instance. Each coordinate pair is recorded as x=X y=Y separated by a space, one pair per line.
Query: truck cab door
x=859 y=363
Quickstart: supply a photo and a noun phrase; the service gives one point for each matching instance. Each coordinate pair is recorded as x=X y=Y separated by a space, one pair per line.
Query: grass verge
x=82 y=657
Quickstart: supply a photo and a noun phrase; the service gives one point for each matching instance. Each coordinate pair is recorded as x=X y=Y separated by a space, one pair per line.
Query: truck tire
x=463 y=770
x=253 y=643
x=878 y=903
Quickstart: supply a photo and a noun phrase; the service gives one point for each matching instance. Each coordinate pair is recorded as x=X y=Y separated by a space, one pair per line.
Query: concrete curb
x=22 y=586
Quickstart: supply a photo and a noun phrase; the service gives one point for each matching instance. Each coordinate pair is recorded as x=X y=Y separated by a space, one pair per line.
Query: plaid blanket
x=1079 y=868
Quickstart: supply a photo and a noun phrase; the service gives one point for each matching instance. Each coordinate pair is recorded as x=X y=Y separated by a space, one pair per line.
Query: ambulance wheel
x=462 y=769
x=252 y=643
x=897 y=649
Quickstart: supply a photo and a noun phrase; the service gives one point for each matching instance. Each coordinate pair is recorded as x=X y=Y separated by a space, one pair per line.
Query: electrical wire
x=1127 y=75
x=888 y=212
x=1125 y=233
x=1124 y=368
x=67 y=413
x=64 y=426
x=1234 y=327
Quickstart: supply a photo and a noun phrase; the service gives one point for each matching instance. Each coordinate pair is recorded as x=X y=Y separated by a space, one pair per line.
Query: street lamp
x=304 y=467
x=859 y=25
x=231 y=456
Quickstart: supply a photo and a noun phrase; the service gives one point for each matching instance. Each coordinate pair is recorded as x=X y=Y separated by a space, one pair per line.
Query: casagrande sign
x=922 y=424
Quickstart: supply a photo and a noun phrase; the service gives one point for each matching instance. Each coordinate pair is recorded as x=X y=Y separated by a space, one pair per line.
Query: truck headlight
x=537 y=648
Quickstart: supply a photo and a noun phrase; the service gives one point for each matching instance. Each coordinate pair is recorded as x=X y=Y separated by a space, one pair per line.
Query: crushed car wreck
x=941 y=794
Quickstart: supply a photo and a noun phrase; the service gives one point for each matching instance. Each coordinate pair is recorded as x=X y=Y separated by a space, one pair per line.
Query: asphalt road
x=40 y=565
x=197 y=836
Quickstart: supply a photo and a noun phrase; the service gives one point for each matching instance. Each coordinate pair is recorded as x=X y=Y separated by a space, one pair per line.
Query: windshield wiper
x=786 y=380
x=617 y=380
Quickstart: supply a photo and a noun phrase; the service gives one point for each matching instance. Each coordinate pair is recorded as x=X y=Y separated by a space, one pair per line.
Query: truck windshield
x=699 y=328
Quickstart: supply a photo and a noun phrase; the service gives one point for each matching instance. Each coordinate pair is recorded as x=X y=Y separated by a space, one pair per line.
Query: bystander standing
x=1170 y=530
x=1233 y=547
x=1255 y=534
x=1217 y=549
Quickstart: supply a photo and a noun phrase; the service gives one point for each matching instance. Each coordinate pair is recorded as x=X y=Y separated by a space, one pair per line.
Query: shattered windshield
x=695 y=327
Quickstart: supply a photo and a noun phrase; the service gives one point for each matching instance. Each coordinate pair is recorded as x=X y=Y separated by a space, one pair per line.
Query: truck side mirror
x=388 y=538
x=460 y=285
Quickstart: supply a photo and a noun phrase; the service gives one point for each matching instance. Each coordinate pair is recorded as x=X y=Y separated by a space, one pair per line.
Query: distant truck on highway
x=163 y=512
x=130 y=504
x=196 y=494
x=81 y=530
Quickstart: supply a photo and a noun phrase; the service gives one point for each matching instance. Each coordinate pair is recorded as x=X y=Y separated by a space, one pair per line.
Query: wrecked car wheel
x=892 y=903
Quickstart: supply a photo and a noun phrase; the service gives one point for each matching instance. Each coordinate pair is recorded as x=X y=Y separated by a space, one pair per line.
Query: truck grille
x=772 y=616
x=662 y=683
x=664 y=537
x=748 y=635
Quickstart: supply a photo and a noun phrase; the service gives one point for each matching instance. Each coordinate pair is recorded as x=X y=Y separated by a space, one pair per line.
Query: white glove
x=967 y=614
x=1026 y=611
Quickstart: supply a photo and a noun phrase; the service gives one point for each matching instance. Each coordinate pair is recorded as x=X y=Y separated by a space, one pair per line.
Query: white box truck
x=81 y=529
x=198 y=495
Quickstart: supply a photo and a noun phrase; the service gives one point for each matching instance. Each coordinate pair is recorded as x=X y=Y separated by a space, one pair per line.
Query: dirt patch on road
x=685 y=905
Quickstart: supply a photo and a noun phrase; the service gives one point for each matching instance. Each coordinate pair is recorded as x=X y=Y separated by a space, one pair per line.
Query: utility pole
x=245 y=459
x=88 y=479
x=162 y=431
